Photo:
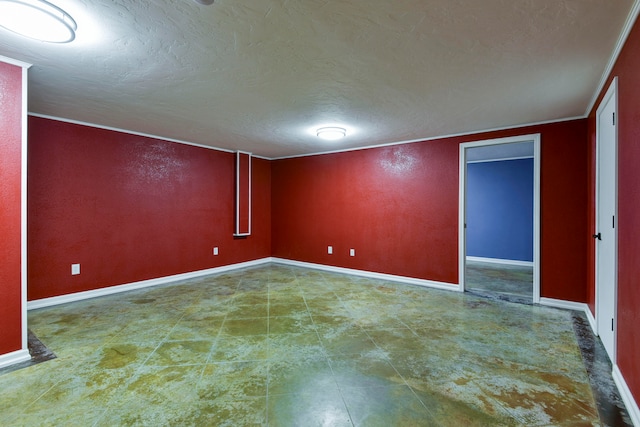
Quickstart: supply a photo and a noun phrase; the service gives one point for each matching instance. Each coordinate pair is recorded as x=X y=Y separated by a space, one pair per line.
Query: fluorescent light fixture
x=37 y=19
x=331 y=133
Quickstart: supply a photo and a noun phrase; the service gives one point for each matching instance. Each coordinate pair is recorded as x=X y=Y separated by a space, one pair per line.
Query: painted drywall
x=627 y=69
x=500 y=209
x=129 y=208
x=393 y=205
x=10 y=208
x=397 y=206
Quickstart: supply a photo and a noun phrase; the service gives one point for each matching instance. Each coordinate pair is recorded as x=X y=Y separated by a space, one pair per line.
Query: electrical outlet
x=75 y=269
x=352 y=252
x=215 y=250
x=329 y=250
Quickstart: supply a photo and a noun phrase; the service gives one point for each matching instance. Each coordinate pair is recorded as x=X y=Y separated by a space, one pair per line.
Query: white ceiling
x=262 y=75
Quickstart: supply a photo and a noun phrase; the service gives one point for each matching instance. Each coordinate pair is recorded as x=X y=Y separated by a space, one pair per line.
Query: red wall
x=393 y=205
x=129 y=208
x=398 y=207
x=10 y=208
x=627 y=69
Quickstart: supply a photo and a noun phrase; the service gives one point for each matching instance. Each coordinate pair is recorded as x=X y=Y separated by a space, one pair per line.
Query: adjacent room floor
x=284 y=346
x=509 y=282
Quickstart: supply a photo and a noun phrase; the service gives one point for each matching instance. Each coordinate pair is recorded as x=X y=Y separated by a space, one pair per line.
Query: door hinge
x=612 y=324
x=614 y=118
x=613 y=221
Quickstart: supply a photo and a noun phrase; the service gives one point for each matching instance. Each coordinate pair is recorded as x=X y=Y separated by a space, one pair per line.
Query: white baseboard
x=94 y=293
x=371 y=274
x=14 y=357
x=501 y=261
x=23 y=355
x=568 y=305
x=627 y=397
x=79 y=296
x=592 y=321
x=571 y=305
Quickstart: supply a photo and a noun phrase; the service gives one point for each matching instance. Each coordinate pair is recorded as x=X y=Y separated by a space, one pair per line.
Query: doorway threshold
x=498 y=296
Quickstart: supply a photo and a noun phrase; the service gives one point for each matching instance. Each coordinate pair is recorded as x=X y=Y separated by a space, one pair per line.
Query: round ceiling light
x=331 y=133
x=37 y=19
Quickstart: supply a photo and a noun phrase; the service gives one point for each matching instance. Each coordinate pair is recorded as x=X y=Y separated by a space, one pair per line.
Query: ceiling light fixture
x=204 y=2
x=37 y=19
x=331 y=133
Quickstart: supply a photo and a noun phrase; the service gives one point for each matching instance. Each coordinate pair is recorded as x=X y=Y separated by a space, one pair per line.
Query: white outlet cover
x=75 y=269
x=215 y=250
x=352 y=252
x=330 y=249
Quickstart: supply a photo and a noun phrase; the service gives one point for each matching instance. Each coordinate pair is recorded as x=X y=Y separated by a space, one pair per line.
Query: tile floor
x=284 y=346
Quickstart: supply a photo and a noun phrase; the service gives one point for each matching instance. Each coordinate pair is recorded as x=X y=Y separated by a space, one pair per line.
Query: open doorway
x=606 y=220
x=499 y=218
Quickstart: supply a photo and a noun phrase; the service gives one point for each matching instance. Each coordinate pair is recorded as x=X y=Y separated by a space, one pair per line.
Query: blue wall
x=500 y=209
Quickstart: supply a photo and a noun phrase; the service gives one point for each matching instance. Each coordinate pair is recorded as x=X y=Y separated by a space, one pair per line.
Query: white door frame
x=611 y=92
x=462 y=241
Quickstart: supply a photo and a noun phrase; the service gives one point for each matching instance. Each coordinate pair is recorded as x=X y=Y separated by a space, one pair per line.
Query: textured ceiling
x=262 y=75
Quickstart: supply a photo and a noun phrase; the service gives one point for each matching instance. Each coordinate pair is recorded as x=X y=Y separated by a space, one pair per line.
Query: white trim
x=501 y=261
x=635 y=11
x=433 y=138
x=79 y=296
x=498 y=141
x=612 y=92
x=627 y=396
x=14 y=357
x=23 y=203
x=131 y=132
x=567 y=305
x=499 y=160
x=462 y=216
x=14 y=62
x=319 y=153
x=537 y=229
x=23 y=209
x=238 y=233
x=570 y=305
x=622 y=39
x=592 y=321
x=369 y=274
x=237 y=194
x=462 y=185
x=250 y=190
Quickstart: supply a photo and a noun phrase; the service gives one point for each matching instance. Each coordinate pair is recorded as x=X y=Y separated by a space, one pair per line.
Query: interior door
x=606 y=196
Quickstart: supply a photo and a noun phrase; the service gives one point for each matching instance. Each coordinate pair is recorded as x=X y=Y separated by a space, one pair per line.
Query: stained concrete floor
x=285 y=346
x=509 y=282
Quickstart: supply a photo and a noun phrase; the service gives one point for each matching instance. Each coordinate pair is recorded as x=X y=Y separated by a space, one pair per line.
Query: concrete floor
x=285 y=346
x=511 y=282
